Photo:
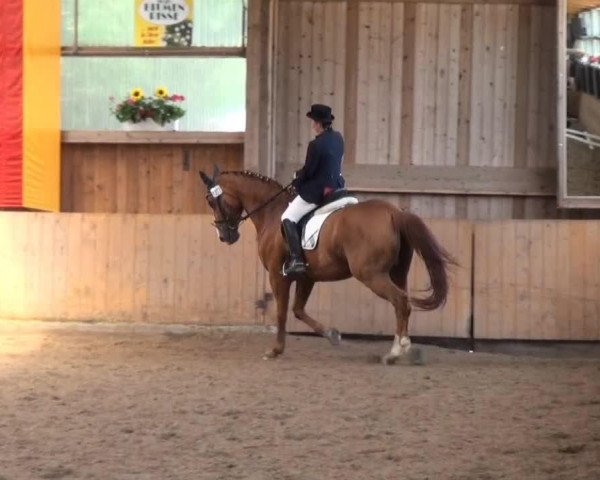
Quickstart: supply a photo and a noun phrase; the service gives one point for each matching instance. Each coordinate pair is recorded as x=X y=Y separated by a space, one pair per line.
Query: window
x=100 y=60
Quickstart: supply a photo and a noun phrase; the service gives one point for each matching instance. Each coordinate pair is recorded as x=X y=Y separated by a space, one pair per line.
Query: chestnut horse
x=372 y=241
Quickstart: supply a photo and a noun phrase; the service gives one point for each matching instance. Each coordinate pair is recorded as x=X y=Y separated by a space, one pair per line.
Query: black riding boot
x=295 y=265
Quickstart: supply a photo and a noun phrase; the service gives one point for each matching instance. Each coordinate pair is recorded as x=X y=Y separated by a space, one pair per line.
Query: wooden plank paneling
x=548 y=284
x=548 y=99
x=382 y=124
x=336 y=19
x=305 y=53
x=533 y=134
x=141 y=264
x=501 y=69
x=497 y=112
x=494 y=85
x=290 y=148
x=287 y=72
x=353 y=49
x=464 y=97
x=451 y=87
x=395 y=100
x=464 y=93
x=523 y=53
x=358 y=310
x=409 y=59
x=533 y=279
x=317 y=64
x=120 y=267
x=60 y=262
x=310 y=68
x=139 y=178
x=363 y=155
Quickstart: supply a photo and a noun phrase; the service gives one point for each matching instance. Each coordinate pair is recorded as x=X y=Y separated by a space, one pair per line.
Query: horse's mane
x=254 y=175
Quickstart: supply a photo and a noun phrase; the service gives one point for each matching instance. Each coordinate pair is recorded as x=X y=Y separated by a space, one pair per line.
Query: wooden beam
x=550 y=3
x=213 y=138
x=153 y=52
x=258 y=98
x=564 y=200
x=523 y=54
x=579 y=202
x=459 y=180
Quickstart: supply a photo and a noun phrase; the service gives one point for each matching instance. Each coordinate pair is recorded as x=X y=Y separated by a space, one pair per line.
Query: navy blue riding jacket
x=322 y=171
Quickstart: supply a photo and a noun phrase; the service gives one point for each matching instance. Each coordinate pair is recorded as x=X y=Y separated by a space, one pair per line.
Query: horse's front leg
x=281 y=292
x=304 y=288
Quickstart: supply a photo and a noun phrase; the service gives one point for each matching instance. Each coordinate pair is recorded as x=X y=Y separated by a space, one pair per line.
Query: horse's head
x=226 y=207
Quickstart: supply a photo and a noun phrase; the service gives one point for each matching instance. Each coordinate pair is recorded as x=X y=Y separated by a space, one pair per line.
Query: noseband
x=228 y=222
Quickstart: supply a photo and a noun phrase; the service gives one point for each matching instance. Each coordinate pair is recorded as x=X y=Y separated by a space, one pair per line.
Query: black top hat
x=320 y=113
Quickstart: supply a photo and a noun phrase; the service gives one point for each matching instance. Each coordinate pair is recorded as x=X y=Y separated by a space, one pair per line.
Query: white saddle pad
x=310 y=232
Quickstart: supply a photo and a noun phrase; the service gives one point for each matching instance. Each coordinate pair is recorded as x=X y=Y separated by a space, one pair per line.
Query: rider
x=320 y=176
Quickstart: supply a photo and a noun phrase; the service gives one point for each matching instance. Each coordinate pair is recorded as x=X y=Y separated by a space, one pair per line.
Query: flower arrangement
x=162 y=107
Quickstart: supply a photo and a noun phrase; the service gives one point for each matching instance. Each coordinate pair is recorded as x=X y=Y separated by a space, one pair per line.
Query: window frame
x=199 y=51
x=564 y=200
x=115 y=136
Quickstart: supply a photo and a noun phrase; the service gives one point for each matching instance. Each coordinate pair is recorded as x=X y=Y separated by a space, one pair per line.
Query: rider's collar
x=328 y=129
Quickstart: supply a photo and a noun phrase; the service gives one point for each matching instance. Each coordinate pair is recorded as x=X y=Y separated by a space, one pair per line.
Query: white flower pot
x=149 y=125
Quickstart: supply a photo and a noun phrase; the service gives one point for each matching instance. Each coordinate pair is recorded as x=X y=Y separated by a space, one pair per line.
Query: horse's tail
x=413 y=231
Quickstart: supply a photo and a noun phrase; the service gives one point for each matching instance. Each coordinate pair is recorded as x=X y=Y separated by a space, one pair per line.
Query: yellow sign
x=163 y=23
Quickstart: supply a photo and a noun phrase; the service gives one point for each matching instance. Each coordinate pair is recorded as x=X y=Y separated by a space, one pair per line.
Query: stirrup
x=293 y=268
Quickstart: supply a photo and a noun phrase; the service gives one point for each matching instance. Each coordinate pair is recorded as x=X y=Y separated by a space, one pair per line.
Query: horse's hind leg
x=399 y=271
x=383 y=286
x=304 y=288
x=399 y=275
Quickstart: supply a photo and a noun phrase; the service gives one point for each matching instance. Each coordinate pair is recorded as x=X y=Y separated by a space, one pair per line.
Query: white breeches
x=296 y=209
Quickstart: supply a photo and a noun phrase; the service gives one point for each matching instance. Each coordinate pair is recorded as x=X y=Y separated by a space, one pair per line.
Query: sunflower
x=161 y=92
x=137 y=94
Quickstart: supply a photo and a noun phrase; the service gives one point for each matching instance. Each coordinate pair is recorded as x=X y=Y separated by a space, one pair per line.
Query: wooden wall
x=138 y=178
x=531 y=279
x=537 y=280
x=173 y=269
x=122 y=267
x=447 y=108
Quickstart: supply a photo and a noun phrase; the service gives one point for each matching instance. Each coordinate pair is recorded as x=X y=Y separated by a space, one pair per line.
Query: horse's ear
x=206 y=179
x=216 y=173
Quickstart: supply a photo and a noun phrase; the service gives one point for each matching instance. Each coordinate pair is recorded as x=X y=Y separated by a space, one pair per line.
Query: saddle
x=332 y=197
x=310 y=225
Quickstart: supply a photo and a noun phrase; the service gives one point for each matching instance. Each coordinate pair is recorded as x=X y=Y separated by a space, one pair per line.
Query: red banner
x=11 y=113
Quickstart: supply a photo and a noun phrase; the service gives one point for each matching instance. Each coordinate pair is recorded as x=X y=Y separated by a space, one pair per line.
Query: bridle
x=232 y=223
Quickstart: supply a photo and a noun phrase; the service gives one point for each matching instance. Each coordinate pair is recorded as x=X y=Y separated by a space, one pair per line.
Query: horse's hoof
x=270 y=354
x=334 y=336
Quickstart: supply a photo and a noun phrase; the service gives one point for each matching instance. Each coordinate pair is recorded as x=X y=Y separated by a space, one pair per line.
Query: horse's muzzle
x=230 y=238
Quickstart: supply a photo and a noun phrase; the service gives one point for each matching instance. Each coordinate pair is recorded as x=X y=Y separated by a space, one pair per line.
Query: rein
x=232 y=223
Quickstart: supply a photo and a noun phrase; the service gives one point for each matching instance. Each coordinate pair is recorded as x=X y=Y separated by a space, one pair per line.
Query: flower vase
x=149 y=125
